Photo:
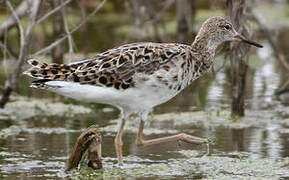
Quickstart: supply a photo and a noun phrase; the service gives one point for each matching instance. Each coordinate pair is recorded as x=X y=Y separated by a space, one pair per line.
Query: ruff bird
x=139 y=76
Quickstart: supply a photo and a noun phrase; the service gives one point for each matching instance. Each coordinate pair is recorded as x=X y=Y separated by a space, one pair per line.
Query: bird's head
x=218 y=30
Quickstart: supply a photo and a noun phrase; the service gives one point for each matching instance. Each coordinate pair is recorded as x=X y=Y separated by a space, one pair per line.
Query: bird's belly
x=149 y=97
x=136 y=99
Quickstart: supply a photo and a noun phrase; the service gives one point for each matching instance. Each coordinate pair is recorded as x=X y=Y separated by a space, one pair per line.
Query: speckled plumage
x=122 y=67
x=157 y=66
x=135 y=77
x=137 y=66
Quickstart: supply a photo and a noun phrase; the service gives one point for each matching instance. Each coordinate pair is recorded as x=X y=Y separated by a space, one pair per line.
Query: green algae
x=209 y=118
x=14 y=130
x=27 y=108
x=218 y=166
x=209 y=167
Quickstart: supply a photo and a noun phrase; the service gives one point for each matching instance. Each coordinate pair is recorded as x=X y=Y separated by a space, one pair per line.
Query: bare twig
x=82 y=10
x=47 y=48
x=32 y=18
x=12 y=21
x=69 y=37
x=52 y=11
x=184 y=20
x=8 y=89
x=84 y=30
x=6 y=50
x=155 y=22
x=15 y=15
x=24 y=41
x=158 y=16
x=239 y=55
x=137 y=10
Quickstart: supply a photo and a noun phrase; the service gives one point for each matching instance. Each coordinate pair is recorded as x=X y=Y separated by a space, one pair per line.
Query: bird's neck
x=203 y=50
x=203 y=44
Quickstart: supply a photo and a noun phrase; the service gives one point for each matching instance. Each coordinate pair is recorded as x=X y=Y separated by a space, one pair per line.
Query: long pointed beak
x=239 y=37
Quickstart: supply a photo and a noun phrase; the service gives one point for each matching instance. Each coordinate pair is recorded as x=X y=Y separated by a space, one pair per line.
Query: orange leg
x=118 y=141
x=182 y=136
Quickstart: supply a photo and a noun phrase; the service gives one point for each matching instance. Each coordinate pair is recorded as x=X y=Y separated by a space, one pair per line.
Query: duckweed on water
x=33 y=107
x=218 y=166
x=211 y=167
x=14 y=130
x=210 y=118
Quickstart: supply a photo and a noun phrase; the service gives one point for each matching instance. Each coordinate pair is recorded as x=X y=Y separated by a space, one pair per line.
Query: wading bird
x=139 y=76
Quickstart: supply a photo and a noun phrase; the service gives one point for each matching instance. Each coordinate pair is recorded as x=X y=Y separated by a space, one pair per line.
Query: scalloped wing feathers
x=113 y=68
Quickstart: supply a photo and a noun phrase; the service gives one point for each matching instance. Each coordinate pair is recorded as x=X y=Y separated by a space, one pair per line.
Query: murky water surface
x=38 y=145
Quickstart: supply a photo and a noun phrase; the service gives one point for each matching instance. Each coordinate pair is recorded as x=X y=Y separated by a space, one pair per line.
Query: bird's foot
x=120 y=165
x=209 y=145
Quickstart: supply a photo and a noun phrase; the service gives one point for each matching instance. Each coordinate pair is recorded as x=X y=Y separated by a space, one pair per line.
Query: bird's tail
x=43 y=72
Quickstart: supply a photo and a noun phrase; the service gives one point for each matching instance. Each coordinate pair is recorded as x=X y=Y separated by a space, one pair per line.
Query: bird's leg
x=182 y=136
x=118 y=141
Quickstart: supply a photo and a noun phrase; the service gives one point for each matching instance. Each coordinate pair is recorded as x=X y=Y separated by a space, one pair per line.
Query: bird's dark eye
x=227 y=27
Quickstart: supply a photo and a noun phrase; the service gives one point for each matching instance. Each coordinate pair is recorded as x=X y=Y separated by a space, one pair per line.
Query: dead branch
x=24 y=41
x=35 y=5
x=238 y=54
x=155 y=19
x=12 y=21
x=158 y=16
x=7 y=50
x=49 y=47
x=22 y=10
x=137 y=10
x=57 y=53
x=15 y=16
x=8 y=89
x=144 y=18
x=69 y=37
x=84 y=29
x=89 y=141
x=185 y=16
x=53 y=11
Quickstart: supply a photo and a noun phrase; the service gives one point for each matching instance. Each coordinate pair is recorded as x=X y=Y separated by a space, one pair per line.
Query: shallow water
x=36 y=141
x=39 y=145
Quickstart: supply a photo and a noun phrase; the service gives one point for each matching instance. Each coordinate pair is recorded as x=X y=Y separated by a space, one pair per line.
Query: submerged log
x=87 y=144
